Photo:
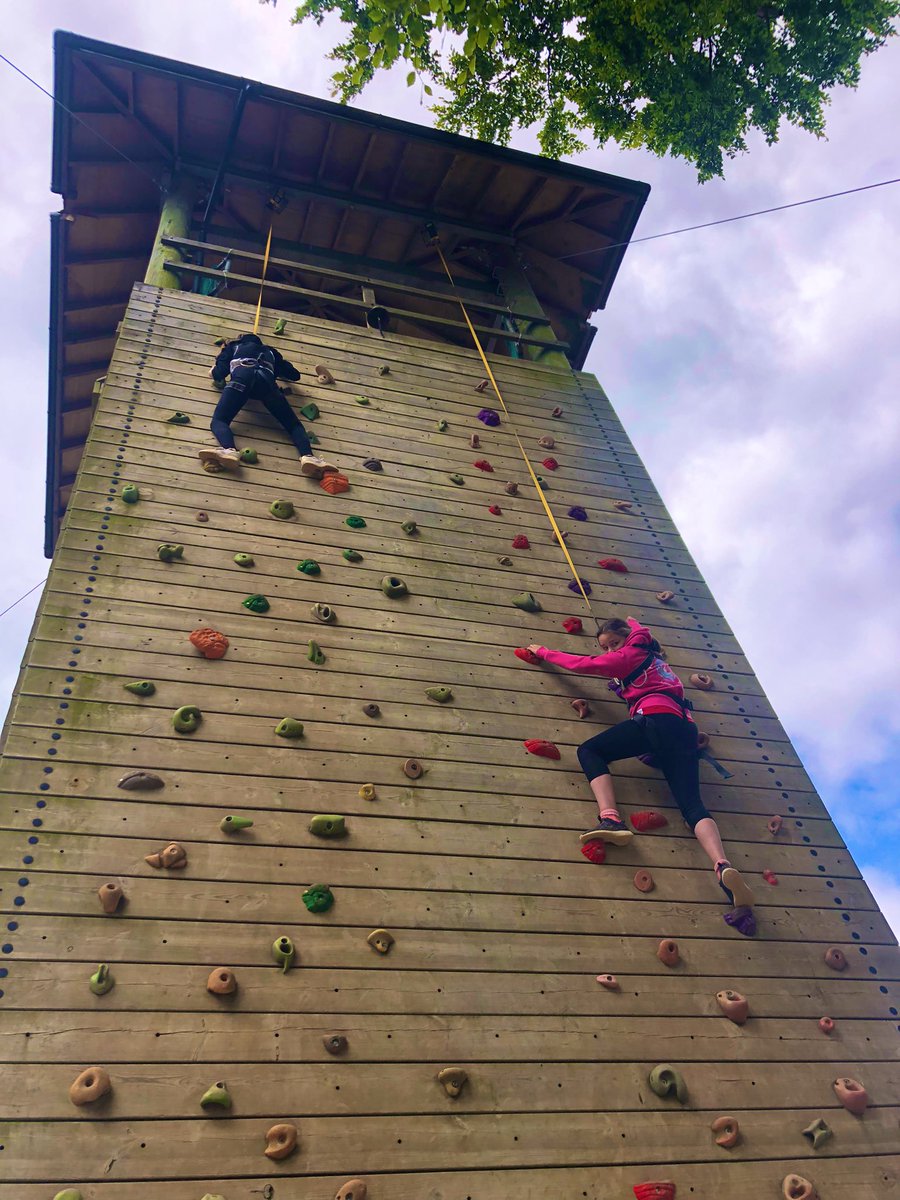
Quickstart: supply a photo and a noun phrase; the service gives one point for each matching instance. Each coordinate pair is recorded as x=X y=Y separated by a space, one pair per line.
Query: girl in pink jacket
x=660 y=724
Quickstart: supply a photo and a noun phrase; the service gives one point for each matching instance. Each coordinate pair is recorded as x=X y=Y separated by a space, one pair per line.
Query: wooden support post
x=174 y=221
x=520 y=296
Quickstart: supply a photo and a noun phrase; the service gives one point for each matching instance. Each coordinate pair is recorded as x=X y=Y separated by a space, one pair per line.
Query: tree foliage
x=691 y=80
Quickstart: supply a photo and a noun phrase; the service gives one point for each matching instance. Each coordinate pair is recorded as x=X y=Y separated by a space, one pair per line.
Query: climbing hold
x=613 y=564
x=249 y=455
x=655 y=1190
x=826 y=1024
x=483 y=465
x=667 y=953
x=245 y=560
x=521 y=542
x=623 y=505
x=702 y=740
x=353 y=1189
x=550 y=463
x=527 y=655
x=582 y=708
x=540 y=480
x=102 y=981
x=742 y=919
x=380 y=940
x=452 y=1080
x=409 y=527
x=141 y=687
x=323 y=375
x=609 y=982
x=774 y=825
x=384 y=369
x=355 y=522
x=542 y=748
x=202 y=517
x=557 y=412
x=92 y=1084
x=580 y=585
x=526 y=602
x=335 y=1043
x=367 y=791
x=371 y=710
x=289 y=727
x=328 y=826
x=309 y=566
x=852 y=1095
x=643 y=880
x=334 y=483
x=279 y=325
x=701 y=680
x=577 y=513
x=665 y=1081
x=130 y=494
x=594 y=852
x=282 y=509
x=817 y=1132
x=735 y=1006
x=212 y=466
x=393 y=587
x=232 y=824
x=511 y=488
x=222 y=982
x=140 y=781
x=489 y=417
x=351 y=556
x=495 y=510
x=373 y=464
x=795 y=1187
x=442 y=426
x=209 y=642
x=173 y=857
x=69 y=1194
x=324 y=613
x=457 y=479
x=505 y=561
x=644 y=821
x=256 y=603
x=178 y=418
x=546 y=441
x=443 y=695
x=482 y=386
x=281 y=1141
x=283 y=952
x=572 y=625
x=727 y=1131
x=364 y=400
x=770 y=877
x=186 y=719
x=310 y=411
x=318 y=898
x=413 y=769
x=475 y=441
x=216 y=1095
x=835 y=958
x=665 y=597
x=167 y=551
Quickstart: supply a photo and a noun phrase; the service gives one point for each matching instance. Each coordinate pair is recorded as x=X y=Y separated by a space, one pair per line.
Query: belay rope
x=262 y=281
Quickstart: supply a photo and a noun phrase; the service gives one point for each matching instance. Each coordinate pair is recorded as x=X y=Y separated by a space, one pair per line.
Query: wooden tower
x=500 y=926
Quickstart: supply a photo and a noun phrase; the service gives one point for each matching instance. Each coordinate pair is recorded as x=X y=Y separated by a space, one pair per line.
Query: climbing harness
x=262 y=281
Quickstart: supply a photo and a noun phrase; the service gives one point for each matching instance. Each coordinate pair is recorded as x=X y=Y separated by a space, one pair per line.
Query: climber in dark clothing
x=254 y=367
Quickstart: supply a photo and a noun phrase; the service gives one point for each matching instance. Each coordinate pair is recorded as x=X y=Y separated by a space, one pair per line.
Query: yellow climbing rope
x=262 y=282
x=534 y=479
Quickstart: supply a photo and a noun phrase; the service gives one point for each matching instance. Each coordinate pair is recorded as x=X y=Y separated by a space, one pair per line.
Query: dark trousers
x=673 y=743
x=253 y=383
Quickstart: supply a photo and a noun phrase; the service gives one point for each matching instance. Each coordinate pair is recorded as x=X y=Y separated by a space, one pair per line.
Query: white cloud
x=886 y=891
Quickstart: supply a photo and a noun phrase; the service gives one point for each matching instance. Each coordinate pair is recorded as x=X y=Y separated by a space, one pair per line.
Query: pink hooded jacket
x=651 y=690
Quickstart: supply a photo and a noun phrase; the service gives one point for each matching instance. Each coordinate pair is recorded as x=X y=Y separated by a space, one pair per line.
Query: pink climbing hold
x=495 y=509
x=542 y=748
x=594 y=852
x=482 y=464
x=550 y=463
x=557 y=412
x=662 y=1189
x=572 y=625
x=770 y=877
x=521 y=542
x=642 y=821
x=526 y=655
x=582 y=708
x=609 y=982
x=613 y=564
x=826 y=1024
x=774 y=825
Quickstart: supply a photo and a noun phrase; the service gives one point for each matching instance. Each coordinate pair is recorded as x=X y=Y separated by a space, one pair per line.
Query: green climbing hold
x=409 y=527
x=256 y=603
x=327 y=826
x=324 y=613
x=216 y=1096
x=310 y=411
x=283 y=953
x=69 y=1194
x=102 y=980
x=314 y=654
x=355 y=522
x=249 y=455
x=457 y=479
x=280 y=325
x=288 y=727
x=140 y=687
x=318 y=898
x=245 y=560
x=167 y=551
x=393 y=587
x=352 y=555
x=313 y=439
x=309 y=566
x=178 y=418
x=362 y=399
x=443 y=695
x=526 y=602
x=666 y=1081
x=130 y=494
x=187 y=718
x=282 y=509
x=442 y=426
x=232 y=824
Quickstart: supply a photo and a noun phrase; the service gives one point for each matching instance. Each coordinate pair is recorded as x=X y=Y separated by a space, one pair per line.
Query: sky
x=754 y=365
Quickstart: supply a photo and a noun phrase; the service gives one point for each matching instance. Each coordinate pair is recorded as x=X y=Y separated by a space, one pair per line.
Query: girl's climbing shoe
x=229 y=459
x=314 y=467
x=615 y=832
x=733 y=885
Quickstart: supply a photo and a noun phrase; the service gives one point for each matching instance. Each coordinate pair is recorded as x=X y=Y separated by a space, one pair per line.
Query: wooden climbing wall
x=501 y=926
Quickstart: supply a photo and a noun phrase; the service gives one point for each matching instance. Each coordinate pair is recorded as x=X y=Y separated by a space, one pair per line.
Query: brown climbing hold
x=852 y=1095
x=735 y=1006
x=92 y=1084
x=795 y=1187
x=353 y=1189
x=281 y=1140
x=380 y=940
x=774 y=825
x=665 y=597
x=582 y=708
x=557 y=412
x=335 y=1043
x=111 y=895
x=835 y=958
x=453 y=1080
x=371 y=710
x=483 y=385
x=412 y=768
x=323 y=375
x=202 y=517
x=367 y=791
x=701 y=680
x=511 y=489
x=702 y=740
x=140 y=781
x=475 y=441
x=505 y=561
x=609 y=982
x=727 y=1131
x=222 y=982
x=623 y=505
x=546 y=441
x=643 y=880
x=667 y=953
x=172 y=857
x=826 y=1024
x=209 y=642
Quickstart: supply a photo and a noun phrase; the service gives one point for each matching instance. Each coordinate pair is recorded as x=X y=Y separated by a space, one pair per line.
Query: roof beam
x=126 y=109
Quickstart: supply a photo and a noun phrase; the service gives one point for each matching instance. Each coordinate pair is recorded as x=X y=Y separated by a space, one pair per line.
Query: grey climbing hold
x=442 y=695
x=216 y=1096
x=289 y=727
x=371 y=710
x=505 y=561
x=352 y=556
x=140 y=781
x=409 y=526
x=245 y=560
x=314 y=654
x=130 y=494
x=232 y=824
x=102 y=981
x=249 y=455
x=442 y=426
x=140 y=687
x=380 y=940
x=384 y=369
x=393 y=587
x=178 y=418
x=526 y=602
x=452 y=1079
x=818 y=1132
x=335 y=1043
x=167 y=551
x=457 y=479
x=283 y=952
x=666 y=1081
x=187 y=718
x=282 y=509
x=328 y=826
x=324 y=613
x=373 y=464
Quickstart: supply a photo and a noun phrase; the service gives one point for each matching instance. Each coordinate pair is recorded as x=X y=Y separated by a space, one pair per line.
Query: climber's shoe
x=609 y=830
x=314 y=467
x=229 y=459
x=734 y=886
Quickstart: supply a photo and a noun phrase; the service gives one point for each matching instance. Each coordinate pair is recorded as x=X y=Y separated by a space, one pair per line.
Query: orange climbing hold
x=774 y=825
x=643 y=880
x=542 y=748
x=609 y=982
x=557 y=412
x=613 y=564
x=209 y=642
x=482 y=464
x=526 y=655
x=623 y=505
x=642 y=821
x=550 y=463
x=665 y=597
x=521 y=542
x=572 y=625
x=335 y=483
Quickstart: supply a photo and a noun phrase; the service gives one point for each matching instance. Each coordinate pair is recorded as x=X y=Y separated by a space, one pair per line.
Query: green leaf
x=410 y=79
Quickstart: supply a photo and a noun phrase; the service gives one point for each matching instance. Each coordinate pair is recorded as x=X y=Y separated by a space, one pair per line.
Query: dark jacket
x=250 y=345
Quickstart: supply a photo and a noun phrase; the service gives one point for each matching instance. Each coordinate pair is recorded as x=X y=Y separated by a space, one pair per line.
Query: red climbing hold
x=335 y=483
x=582 y=708
x=550 y=463
x=573 y=625
x=482 y=464
x=826 y=1024
x=526 y=655
x=770 y=877
x=557 y=412
x=642 y=821
x=209 y=642
x=594 y=852
x=541 y=748
x=613 y=564
x=495 y=509
x=656 y=1190
x=521 y=542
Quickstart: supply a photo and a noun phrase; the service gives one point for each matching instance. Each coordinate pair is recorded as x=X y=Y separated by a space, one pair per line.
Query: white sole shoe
x=229 y=462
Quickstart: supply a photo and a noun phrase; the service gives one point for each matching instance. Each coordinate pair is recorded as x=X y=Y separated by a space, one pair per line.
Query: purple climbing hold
x=489 y=416
x=577 y=513
x=573 y=587
x=742 y=919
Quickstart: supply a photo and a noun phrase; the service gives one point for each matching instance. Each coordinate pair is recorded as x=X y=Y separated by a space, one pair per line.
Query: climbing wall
x=500 y=927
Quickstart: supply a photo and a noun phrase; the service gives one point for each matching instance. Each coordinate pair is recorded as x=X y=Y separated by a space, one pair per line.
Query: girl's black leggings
x=249 y=383
x=673 y=743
